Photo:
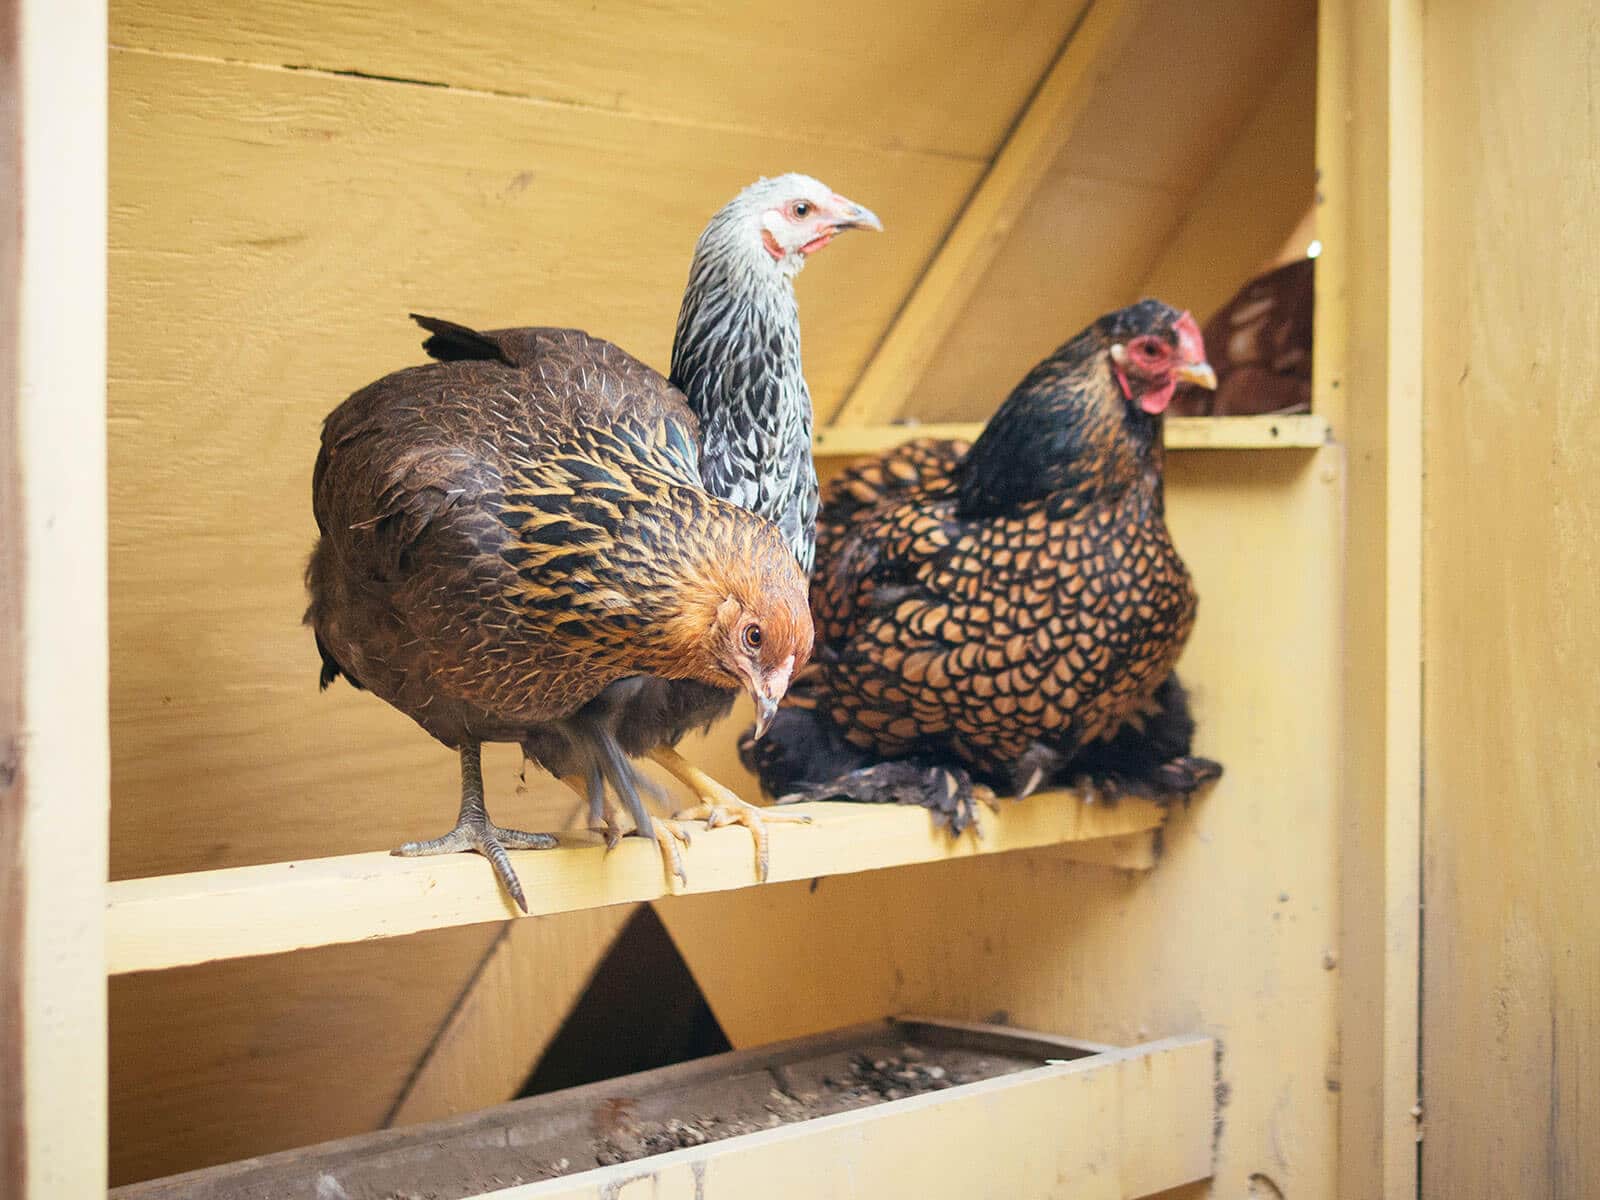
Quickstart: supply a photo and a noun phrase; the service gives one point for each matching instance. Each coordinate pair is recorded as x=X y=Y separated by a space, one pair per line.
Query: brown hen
x=506 y=536
x=1008 y=611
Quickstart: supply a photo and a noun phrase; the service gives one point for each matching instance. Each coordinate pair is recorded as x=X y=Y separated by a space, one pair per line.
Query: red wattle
x=1155 y=403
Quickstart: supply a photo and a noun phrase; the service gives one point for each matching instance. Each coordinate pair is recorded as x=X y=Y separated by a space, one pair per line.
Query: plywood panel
x=949 y=79
x=219 y=1062
x=270 y=231
x=1164 y=114
x=508 y=1013
x=1511 y=1037
x=1234 y=933
x=1256 y=198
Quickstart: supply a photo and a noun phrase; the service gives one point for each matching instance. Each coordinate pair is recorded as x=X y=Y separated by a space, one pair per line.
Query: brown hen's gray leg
x=474 y=831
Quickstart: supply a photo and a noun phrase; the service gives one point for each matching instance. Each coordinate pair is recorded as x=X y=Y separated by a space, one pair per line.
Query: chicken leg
x=474 y=831
x=666 y=834
x=719 y=806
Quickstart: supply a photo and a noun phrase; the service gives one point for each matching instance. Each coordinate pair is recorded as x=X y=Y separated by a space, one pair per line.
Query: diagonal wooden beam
x=1015 y=175
x=526 y=985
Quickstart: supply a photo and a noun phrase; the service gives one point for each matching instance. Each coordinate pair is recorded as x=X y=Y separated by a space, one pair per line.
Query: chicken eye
x=800 y=209
x=752 y=637
x=1152 y=347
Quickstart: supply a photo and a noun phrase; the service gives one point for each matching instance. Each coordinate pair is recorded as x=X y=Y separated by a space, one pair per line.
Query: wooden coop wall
x=1511 y=1031
x=288 y=179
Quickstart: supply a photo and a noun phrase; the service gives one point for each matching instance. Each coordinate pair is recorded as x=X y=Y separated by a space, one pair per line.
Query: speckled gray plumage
x=736 y=358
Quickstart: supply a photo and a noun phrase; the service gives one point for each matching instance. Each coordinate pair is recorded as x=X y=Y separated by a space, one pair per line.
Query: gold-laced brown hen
x=507 y=535
x=1007 y=612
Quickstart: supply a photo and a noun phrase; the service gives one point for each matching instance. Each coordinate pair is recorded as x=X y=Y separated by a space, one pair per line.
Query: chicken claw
x=667 y=835
x=474 y=831
x=720 y=806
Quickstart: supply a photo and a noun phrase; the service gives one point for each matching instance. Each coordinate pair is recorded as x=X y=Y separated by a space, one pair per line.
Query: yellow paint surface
x=1511 y=1004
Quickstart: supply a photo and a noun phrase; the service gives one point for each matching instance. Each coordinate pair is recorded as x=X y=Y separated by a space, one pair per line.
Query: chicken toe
x=474 y=831
x=718 y=806
x=667 y=835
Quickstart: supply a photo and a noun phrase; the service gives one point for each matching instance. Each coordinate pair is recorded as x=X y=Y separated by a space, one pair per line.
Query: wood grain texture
x=1511 y=1004
x=167 y=921
x=1366 y=378
x=1162 y=117
x=214 y=1063
x=1229 y=936
x=949 y=81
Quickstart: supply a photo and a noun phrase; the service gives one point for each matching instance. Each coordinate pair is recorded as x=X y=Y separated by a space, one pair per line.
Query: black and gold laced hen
x=508 y=538
x=1010 y=611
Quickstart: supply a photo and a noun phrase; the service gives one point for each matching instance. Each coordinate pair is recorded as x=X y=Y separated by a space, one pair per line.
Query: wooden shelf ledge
x=178 y=920
x=1304 y=431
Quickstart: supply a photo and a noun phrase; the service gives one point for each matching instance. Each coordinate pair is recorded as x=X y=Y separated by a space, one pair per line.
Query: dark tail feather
x=331 y=668
x=454 y=343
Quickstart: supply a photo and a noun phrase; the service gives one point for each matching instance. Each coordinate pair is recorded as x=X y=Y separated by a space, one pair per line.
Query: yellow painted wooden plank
x=1130 y=852
x=522 y=992
x=1123 y=1124
x=168 y=921
x=1367 y=377
x=1511 y=579
x=948 y=80
x=964 y=256
x=1301 y=431
x=54 y=759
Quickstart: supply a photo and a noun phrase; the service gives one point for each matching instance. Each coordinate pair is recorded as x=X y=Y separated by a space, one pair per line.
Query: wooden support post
x=54 y=768
x=1368 y=381
x=979 y=232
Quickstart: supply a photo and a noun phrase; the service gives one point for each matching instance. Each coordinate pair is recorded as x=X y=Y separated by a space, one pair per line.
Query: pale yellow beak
x=1200 y=374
